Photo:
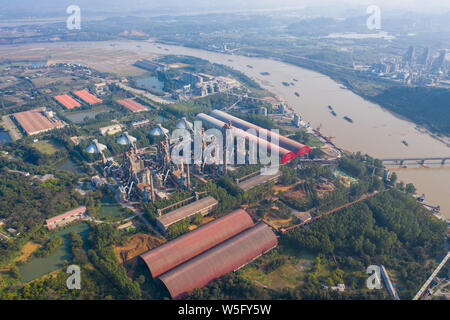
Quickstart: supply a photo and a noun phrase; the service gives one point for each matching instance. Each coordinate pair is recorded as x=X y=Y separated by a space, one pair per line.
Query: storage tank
x=250 y=137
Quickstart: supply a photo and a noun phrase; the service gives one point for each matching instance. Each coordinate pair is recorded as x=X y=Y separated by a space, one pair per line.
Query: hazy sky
x=41 y=7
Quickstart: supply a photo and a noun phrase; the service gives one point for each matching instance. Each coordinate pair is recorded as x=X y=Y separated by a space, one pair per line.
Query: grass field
x=46 y=147
x=291 y=274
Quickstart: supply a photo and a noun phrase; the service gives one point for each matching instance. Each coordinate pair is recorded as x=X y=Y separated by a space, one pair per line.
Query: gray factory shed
x=258 y=180
x=202 y=206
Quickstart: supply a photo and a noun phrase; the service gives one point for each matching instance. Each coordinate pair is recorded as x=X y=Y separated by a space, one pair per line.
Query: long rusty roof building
x=226 y=257
x=175 y=252
x=37 y=121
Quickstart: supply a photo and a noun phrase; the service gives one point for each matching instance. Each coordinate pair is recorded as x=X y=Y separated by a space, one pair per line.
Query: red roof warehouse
x=226 y=257
x=67 y=101
x=175 y=252
x=87 y=97
x=65 y=218
x=132 y=105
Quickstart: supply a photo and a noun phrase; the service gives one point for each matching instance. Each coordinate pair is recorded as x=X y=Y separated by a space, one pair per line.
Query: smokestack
x=188 y=178
x=152 y=190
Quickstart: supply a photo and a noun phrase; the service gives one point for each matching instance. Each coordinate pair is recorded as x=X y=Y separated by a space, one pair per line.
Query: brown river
x=374 y=130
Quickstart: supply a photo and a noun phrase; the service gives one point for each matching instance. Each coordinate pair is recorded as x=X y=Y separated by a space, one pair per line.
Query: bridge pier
x=401 y=162
x=443 y=161
x=422 y=162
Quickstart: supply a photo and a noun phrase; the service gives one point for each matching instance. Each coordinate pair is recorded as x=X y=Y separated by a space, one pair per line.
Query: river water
x=374 y=131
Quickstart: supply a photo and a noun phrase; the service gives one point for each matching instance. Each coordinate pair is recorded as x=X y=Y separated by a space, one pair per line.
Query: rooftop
x=132 y=105
x=256 y=181
x=70 y=213
x=186 y=211
x=35 y=121
x=226 y=257
x=189 y=245
x=87 y=97
x=67 y=101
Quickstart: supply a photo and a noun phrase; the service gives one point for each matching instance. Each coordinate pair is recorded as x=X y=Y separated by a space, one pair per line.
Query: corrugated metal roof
x=256 y=181
x=226 y=257
x=186 y=211
x=131 y=105
x=67 y=101
x=87 y=97
x=70 y=213
x=34 y=121
x=175 y=252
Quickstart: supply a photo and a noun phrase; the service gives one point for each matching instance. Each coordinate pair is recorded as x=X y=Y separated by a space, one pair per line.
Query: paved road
x=13 y=131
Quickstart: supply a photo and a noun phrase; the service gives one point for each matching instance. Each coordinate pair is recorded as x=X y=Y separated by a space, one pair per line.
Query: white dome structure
x=184 y=124
x=126 y=139
x=95 y=147
x=159 y=130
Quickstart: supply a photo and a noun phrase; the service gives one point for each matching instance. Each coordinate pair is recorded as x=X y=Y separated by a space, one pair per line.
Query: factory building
x=110 y=130
x=132 y=105
x=181 y=249
x=38 y=121
x=67 y=101
x=258 y=180
x=284 y=142
x=66 y=218
x=202 y=206
x=226 y=257
x=238 y=132
x=87 y=97
x=140 y=123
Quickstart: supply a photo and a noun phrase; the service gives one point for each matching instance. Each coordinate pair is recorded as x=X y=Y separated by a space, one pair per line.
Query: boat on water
x=333 y=113
x=405 y=143
x=348 y=119
x=292 y=84
x=250 y=66
x=297 y=94
x=295 y=80
x=330 y=107
x=286 y=84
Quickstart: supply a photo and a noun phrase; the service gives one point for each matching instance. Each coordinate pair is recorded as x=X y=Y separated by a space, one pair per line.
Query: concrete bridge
x=419 y=160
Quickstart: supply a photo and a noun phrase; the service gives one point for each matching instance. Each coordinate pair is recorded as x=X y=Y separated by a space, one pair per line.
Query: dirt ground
x=295 y=194
x=27 y=251
x=138 y=244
